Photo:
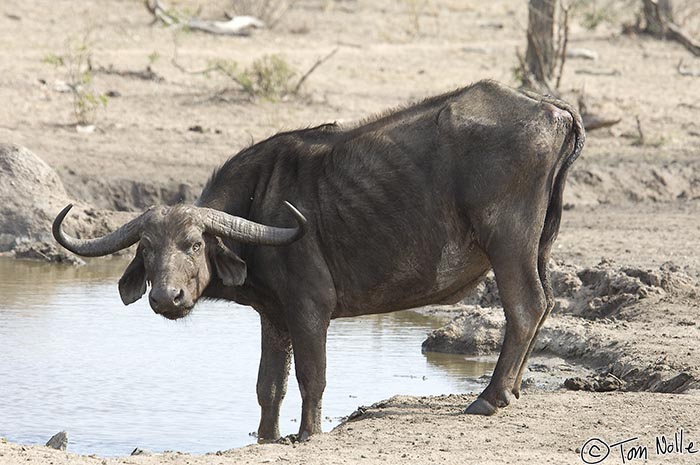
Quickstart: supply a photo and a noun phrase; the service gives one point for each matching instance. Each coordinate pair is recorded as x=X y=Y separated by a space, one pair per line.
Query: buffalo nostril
x=179 y=297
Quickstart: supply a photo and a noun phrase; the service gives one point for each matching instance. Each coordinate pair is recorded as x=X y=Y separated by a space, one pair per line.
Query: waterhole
x=74 y=358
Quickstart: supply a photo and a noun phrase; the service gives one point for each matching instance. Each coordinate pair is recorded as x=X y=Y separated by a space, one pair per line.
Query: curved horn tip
x=66 y=209
x=56 y=227
x=297 y=214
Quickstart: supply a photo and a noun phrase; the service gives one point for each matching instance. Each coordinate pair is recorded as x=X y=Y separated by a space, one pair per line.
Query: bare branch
x=318 y=63
x=160 y=13
x=674 y=32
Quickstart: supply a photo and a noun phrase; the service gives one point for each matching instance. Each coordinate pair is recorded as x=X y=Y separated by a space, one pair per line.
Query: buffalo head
x=180 y=250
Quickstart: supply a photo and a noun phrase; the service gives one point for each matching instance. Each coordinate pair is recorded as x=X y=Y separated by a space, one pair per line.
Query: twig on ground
x=684 y=71
x=640 y=139
x=598 y=72
x=592 y=122
x=236 y=26
x=318 y=63
x=146 y=74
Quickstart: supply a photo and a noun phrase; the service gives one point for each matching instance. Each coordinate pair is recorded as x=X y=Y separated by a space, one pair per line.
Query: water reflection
x=462 y=366
x=115 y=377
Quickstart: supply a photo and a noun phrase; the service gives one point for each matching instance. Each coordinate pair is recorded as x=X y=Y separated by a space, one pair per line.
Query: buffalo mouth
x=174 y=313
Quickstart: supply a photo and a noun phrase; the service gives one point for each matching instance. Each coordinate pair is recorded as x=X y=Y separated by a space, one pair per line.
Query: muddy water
x=73 y=358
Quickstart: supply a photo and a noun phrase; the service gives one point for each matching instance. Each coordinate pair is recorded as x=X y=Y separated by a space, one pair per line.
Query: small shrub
x=415 y=8
x=75 y=63
x=593 y=13
x=153 y=57
x=269 y=77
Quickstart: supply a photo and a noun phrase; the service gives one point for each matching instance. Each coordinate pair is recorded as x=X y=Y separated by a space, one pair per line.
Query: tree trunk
x=540 y=40
x=657 y=14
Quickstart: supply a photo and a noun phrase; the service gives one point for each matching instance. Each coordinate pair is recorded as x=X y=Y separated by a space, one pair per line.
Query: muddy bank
x=132 y=195
x=600 y=291
x=594 y=182
x=639 y=325
x=654 y=180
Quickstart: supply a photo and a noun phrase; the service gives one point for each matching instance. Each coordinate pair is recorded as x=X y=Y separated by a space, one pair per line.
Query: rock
x=599 y=383
x=85 y=129
x=578 y=384
x=476 y=331
x=31 y=193
x=46 y=251
x=582 y=53
x=138 y=451
x=58 y=441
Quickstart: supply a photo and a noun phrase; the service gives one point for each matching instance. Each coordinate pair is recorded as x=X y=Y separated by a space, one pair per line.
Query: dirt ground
x=631 y=201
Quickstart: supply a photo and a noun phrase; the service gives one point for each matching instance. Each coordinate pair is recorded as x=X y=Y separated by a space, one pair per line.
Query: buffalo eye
x=196 y=247
x=147 y=248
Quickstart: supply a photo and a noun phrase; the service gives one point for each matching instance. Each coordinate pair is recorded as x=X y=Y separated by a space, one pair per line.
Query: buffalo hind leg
x=275 y=361
x=542 y=265
x=524 y=305
x=308 y=330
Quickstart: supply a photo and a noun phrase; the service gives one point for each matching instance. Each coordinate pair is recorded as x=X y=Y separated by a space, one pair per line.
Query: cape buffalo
x=406 y=209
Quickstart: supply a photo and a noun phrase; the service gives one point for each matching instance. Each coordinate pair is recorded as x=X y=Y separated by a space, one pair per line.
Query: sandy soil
x=543 y=428
x=635 y=205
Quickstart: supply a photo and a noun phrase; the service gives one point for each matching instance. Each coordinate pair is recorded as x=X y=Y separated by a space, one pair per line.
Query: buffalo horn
x=122 y=238
x=239 y=229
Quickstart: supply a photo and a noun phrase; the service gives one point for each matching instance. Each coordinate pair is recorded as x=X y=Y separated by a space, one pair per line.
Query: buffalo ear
x=230 y=268
x=132 y=284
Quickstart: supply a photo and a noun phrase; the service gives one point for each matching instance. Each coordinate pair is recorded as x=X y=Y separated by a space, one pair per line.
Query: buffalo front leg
x=275 y=360
x=308 y=331
x=524 y=305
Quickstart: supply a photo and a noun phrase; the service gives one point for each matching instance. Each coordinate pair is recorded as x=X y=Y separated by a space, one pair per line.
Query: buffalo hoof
x=481 y=407
x=303 y=436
